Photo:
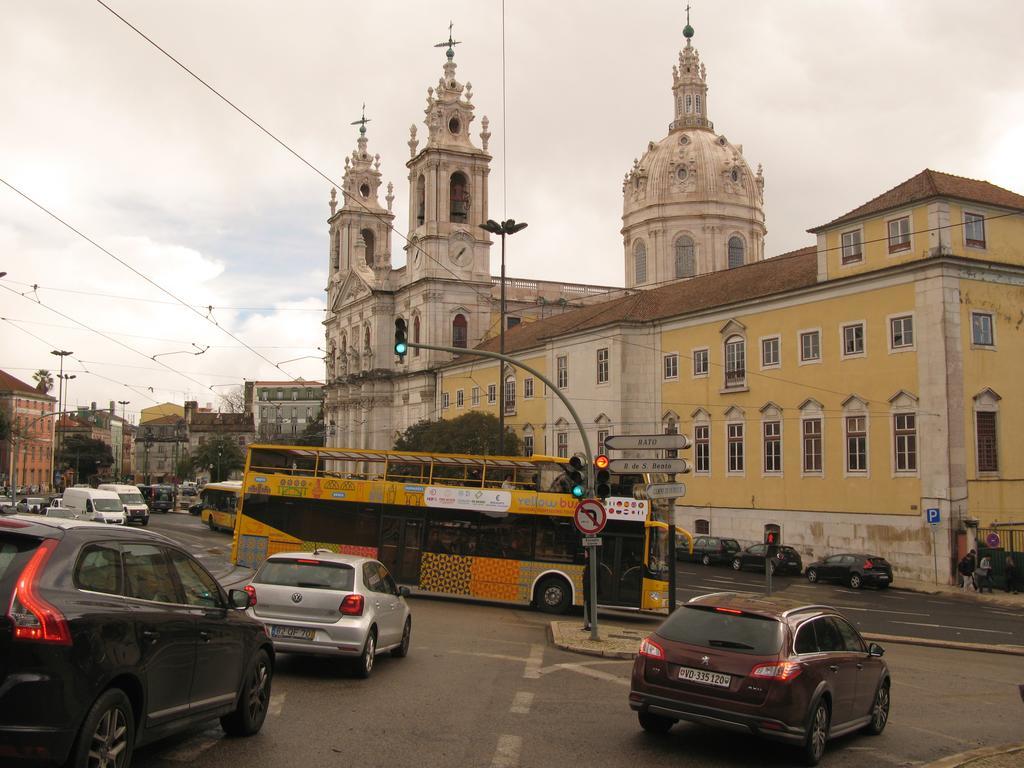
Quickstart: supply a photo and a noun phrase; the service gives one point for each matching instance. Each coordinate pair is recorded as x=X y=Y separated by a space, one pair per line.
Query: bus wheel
x=553 y=595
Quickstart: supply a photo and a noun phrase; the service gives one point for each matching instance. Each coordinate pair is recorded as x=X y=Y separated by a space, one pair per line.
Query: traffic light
x=401 y=342
x=602 y=478
x=771 y=538
x=574 y=471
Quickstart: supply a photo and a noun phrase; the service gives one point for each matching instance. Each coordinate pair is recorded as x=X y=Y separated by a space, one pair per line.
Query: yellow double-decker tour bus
x=220 y=504
x=495 y=528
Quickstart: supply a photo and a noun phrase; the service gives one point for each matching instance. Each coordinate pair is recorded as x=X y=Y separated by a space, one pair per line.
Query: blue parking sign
x=932 y=514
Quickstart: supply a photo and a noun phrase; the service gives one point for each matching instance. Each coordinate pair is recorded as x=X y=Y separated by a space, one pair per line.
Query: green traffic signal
x=575 y=472
x=401 y=340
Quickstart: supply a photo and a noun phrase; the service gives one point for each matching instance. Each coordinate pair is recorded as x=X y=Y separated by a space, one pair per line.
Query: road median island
x=956 y=645
x=1005 y=756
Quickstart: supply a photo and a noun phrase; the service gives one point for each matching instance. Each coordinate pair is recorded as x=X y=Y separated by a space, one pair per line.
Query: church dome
x=691 y=203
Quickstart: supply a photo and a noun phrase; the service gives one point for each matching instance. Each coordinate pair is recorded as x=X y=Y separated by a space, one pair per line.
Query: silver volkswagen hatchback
x=328 y=604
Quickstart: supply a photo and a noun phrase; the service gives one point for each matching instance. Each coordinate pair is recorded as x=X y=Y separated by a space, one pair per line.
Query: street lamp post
x=507 y=227
x=66 y=380
x=120 y=464
x=61 y=354
x=147 y=443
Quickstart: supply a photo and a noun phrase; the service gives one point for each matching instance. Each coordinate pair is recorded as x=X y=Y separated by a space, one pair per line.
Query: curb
x=966 y=758
x=606 y=653
x=955 y=645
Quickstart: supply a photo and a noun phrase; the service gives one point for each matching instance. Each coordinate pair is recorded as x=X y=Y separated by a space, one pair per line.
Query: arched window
x=370 y=241
x=366 y=338
x=640 y=262
x=735 y=362
x=458 y=190
x=460 y=331
x=685 y=263
x=416 y=335
x=421 y=199
x=736 y=251
x=689 y=104
x=702 y=527
x=696 y=104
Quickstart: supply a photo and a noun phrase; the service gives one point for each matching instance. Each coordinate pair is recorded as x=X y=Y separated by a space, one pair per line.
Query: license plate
x=882 y=577
x=292 y=633
x=703 y=676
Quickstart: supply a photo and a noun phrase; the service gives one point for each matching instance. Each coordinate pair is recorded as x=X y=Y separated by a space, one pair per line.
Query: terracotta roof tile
x=928 y=184
x=10 y=383
x=796 y=269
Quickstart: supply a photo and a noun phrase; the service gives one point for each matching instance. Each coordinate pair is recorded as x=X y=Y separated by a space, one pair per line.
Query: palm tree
x=44 y=380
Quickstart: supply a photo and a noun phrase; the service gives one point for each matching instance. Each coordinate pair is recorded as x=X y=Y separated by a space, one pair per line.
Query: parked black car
x=116 y=637
x=709 y=550
x=853 y=570
x=786 y=559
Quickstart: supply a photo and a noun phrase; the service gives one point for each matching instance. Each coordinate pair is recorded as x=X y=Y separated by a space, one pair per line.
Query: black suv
x=785 y=559
x=709 y=550
x=116 y=637
x=853 y=570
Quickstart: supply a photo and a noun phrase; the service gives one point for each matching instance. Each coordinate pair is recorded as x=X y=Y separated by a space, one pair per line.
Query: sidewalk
x=996 y=597
x=1006 y=756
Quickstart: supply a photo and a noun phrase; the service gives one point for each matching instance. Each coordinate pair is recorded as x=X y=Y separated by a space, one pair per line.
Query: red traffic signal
x=601 y=462
x=771 y=538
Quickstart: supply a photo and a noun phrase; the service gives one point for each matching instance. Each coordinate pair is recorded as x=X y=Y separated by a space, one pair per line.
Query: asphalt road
x=482 y=687
x=886 y=611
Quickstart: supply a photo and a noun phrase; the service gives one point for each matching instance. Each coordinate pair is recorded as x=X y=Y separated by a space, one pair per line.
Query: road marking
x=521 y=703
x=276 y=703
x=194 y=747
x=582 y=668
x=482 y=655
x=507 y=754
x=532 y=671
x=878 y=610
x=946 y=626
x=720 y=578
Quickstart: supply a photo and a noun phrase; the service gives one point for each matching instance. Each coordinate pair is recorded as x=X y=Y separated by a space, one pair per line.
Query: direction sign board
x=664 y=490
x=591 y=541
x=646 y=442
x=628 y=466
x=590 y=517
x=932 y=515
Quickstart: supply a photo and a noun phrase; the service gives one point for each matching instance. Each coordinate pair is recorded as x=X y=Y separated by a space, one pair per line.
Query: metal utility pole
x=61 y=354
x=124 y=423
x=507 y=227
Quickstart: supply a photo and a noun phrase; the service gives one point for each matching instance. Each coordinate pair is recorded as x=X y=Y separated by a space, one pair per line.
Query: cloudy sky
x=838 y=101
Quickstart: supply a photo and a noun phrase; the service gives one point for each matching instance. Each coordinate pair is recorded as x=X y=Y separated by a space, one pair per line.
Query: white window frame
x=889 y=320
x=800 y=346
x=737 y=342
x=510 y=389
x=528 y=388
x=731 y=428
x=906 y=216
x=603 y=366
x=445 y=401
x=820 y=418
x=896 y=471
x=859 y=258
x=973 y=243
x=460 y=398
x=765 y=472
x=975 y=344
x=847 y=470
x=778 y=352
x=705 y=427
x=562 y=371
x=492 y=394
x=562 y=444
x=670 y=366
x=527 y=445
x=602 y=437
x=474 y=397
x=845 y=355
x=694 y=353
x=986 y=405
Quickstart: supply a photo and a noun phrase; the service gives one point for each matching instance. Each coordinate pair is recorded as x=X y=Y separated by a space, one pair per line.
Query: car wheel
x=145 y=521
x=817 y=735
x=854 y=581
x=364 y=664
x=736 y=564
x=107 y=737
x=403 y=650
x=251 y=711
x=553 y=595
x=654 y=723
x=812 y=575
x=879 y=711
x=705 y=560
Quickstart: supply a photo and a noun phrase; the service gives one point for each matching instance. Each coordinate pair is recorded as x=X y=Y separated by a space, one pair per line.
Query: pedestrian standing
x=1010 y=571
x=983 y=575
x=966 y=571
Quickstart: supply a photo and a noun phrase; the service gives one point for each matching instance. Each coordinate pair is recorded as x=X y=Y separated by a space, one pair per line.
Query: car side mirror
x=876 y=650
x=238 y=598
x=404 y=591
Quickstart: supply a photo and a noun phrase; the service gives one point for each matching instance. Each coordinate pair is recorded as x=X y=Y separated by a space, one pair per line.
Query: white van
x=135 y=509
x=94 y=504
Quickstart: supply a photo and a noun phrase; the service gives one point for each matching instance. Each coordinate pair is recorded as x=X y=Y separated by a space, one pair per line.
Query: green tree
x=183 y=469
x=44 y=380
x=222 y=454
x=86 y=455
x=474 y=433
x=5 y=425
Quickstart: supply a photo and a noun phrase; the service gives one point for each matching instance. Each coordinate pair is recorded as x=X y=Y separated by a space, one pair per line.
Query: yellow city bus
x=220 y=504
x=494 y=528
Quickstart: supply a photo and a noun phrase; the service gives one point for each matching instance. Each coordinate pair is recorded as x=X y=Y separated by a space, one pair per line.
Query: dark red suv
x=796 y=673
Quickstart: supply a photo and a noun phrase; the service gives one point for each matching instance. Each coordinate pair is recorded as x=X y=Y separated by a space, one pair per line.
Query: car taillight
x=778 y=670
x=729 y=610
x=251 y=591
x=352 y=605
x=868 y=564
x=307 y=561
x=33 y=617
x=651 y=649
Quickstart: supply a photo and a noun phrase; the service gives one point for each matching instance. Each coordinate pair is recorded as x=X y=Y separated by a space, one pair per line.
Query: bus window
x=510 y=537
x=556 y=540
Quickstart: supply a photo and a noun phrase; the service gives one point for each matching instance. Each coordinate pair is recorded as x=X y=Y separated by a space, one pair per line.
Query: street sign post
x=933 y=515
x=664 y=490
x=647 y=442
x=590 y=518
x=637 y=466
